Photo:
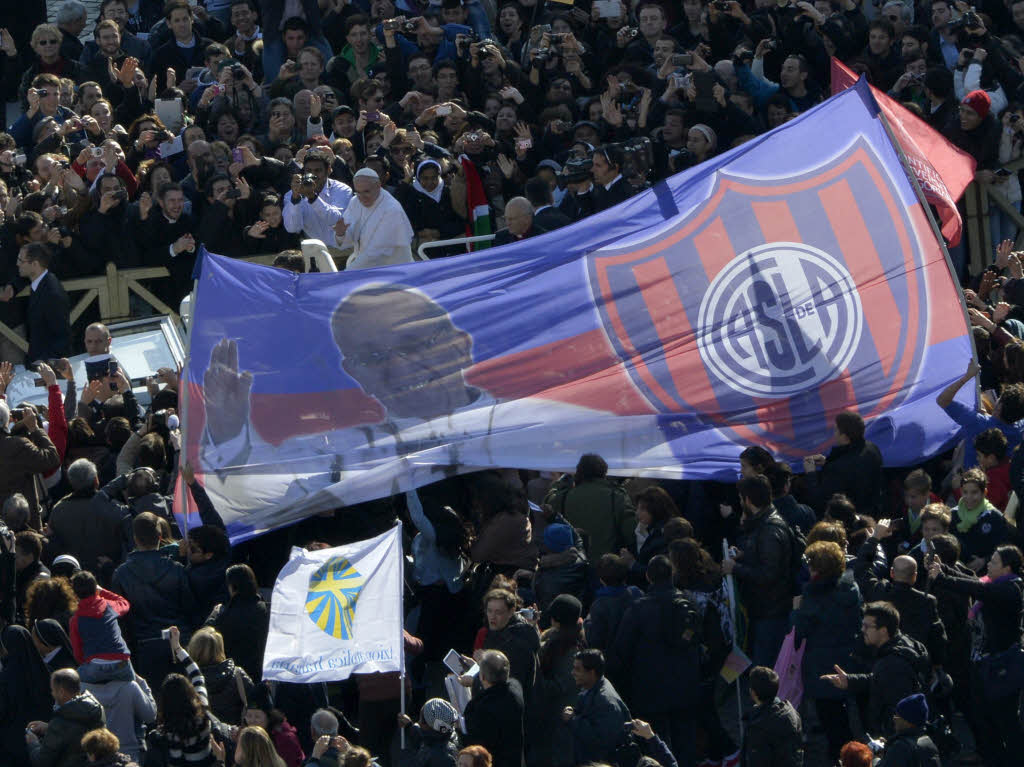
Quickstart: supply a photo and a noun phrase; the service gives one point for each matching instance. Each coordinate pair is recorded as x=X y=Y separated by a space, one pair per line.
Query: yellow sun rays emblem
x=331 y=599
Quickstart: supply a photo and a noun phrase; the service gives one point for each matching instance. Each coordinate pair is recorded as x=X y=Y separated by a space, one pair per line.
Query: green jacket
x=602 y=509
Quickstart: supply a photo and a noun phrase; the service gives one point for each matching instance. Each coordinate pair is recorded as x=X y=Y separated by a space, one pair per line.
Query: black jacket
x=494 y=720
x=1002 y=605
x=919 y=612
x=225 y=702
x=899 y=666
x=652 y=656
x=550 y=218
x=774 y=736
x=764 y=573
x=913 y=748
x=62 y=744
x=159 y=593
x=49 y=321
x=171 y=55
x=610 y=604
x=520 y=642
x=828 y=621
x=244 y=623
x=620 y=191
x=855 y=470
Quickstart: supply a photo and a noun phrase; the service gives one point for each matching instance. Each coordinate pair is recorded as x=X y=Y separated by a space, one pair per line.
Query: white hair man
x=374 y=226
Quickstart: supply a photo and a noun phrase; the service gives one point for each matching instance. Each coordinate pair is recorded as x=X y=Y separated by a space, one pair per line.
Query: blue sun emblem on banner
x=331 y=599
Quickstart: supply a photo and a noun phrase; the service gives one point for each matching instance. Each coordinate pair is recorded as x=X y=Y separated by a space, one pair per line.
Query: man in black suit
x=168 y=232
x=546 y=216
x=49 y=311
x=610 y=188
x=519 y=222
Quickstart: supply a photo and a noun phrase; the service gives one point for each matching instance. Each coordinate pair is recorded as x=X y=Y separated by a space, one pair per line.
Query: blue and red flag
x=746 y=301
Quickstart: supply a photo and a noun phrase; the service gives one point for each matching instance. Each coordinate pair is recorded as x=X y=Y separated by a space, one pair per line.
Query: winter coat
x=597 y=723
x=797 y=515
x=158 y=591
x=764 y=572
x=828 y=622
x=565 y=573
x=222 y=688
x=494 y=720
x=981 y=539
x=126 y=706
x=602 y=509
x=556 y=689
x=432 y=749
x=244 y=623
x=506 y=539
x=610 y=604
x=774 y=736
x=1002 y=605
x=520 y=642
x=661 y=666
x=87 y=526
x=61 y=746
x=855 y=470
x=898 y=669
x=912 y=748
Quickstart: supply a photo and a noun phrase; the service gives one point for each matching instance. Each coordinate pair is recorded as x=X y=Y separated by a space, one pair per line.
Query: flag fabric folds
x=745 y=301
x=479 y=221
x=942 y=169
x=337 y=611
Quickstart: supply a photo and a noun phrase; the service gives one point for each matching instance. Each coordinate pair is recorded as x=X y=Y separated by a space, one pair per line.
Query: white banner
x=337 y=611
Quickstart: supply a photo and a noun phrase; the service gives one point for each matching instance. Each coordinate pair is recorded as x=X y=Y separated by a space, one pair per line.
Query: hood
x=843 y=590
x=907 y=648
x=219 y=675
x=83 y=709
x=109 y=693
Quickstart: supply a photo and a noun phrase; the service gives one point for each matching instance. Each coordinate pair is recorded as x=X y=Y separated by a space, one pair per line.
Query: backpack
x=797 y=544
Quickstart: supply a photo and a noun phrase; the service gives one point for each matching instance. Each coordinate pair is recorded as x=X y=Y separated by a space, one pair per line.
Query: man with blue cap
x=911 y=747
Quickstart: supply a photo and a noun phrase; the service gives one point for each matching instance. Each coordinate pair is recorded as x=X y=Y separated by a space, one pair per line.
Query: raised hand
x=227 y=393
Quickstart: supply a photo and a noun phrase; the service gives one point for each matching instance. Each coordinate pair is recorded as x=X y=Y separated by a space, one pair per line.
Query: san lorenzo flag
x=337 y=611
x=746 y=301
x=943 y=169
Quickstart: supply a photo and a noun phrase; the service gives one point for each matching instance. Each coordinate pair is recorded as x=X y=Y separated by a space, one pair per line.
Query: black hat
x=566 y=609
x=344 y=109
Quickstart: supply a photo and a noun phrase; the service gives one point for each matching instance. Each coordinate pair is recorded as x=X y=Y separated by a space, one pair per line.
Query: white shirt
x=37 y=280
x=317 y=219
x=611 y=183
x=379 y=235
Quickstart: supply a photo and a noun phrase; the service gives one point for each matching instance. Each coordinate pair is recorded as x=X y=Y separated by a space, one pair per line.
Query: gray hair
x=520 y=202
x=494 y=667
x=16 y=512
x=82 y=474
x=323 y=722
x=70 y=11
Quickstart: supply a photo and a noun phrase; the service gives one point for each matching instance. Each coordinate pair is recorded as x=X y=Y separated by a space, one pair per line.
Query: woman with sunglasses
x=45 y=42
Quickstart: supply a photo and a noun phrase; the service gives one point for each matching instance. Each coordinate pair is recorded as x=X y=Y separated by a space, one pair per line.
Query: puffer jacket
x=774 y=736
x=222 y=688
x=61 y=746
x=900 y=666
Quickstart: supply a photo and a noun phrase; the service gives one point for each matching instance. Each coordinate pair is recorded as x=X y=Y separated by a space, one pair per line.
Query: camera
x=232 y=194
x=42 y=93
x=159 y=419
x=409 y=27
x=474 y=136
x=96 y=151
x=559 y=37
x=632 y=31
x=443 y=110
x=120 y=194
x=720 y=5
x=392 y=25
x=772 y=45
x=238 y=72
x=528 y=613
x=577 y=169
x=682 y=59
x=308 y=179
x=165 y=634
x=969 y=20
x=16 y=415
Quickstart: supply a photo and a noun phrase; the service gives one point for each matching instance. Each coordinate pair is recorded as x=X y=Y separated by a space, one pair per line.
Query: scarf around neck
x=968 y=518
x=434 y=195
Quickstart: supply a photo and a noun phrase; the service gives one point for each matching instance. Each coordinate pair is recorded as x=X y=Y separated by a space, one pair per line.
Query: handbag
x=1002 y=673
x=789 y=667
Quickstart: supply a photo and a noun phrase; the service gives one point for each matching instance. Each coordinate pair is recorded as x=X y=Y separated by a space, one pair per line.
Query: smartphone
x=236 y=155
x=443 y=110
x=112 y=371
x=165 y=634
x=39 y=383
x=372 y=117
x=528 y=613
x=524 y=143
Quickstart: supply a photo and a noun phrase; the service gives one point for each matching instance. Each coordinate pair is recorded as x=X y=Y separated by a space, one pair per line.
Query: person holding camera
x=316 y=202
x=104 y=228
x=225 y=215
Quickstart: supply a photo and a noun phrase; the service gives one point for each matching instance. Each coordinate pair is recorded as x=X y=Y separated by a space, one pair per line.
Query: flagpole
x=730 y=584
x=912 y=177
x=184 y=396
x=401 y=638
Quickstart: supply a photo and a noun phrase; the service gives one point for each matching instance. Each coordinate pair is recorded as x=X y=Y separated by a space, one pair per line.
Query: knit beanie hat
x=914 y=709
x=439 y=715
x=558 y=538
x=566 y=609
x=979 y=101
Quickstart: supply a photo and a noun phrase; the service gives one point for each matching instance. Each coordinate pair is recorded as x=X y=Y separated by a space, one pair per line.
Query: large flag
x=479 y=220
x=942 y=169
x=337 y=611
x=745 y=301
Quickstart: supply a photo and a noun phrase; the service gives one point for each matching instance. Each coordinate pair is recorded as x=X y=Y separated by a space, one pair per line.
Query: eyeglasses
x=48 y=42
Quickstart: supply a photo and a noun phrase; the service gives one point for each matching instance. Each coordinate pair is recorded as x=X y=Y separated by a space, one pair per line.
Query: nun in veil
x=24 y=693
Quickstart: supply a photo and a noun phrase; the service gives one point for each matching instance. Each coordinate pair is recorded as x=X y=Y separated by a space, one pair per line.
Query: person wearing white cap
x=375 y=226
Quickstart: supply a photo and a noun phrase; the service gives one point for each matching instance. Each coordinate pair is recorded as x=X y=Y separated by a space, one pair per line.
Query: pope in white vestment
x=402 y=349
x=374 y=226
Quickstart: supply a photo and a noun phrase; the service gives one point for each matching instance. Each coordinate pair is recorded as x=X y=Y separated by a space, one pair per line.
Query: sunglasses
x=48 y=42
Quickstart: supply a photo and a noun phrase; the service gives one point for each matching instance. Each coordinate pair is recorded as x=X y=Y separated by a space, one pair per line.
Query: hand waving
x=227 y=393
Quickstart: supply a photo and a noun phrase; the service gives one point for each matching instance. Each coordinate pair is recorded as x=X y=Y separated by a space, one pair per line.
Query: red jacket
x=94 y=629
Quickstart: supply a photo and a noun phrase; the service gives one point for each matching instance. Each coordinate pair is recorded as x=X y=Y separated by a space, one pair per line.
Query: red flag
x=942 y=169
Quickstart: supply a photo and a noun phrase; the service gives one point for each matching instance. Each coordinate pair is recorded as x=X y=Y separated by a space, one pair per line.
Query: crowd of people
x=597 y=610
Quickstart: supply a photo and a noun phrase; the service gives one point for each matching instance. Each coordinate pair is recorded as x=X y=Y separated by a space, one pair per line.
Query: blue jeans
x=100 y=673
x=274 y=50
x=768 y=635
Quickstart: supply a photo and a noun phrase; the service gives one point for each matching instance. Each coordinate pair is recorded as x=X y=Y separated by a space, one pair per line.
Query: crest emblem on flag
x=810 y=299
x=331 y=600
